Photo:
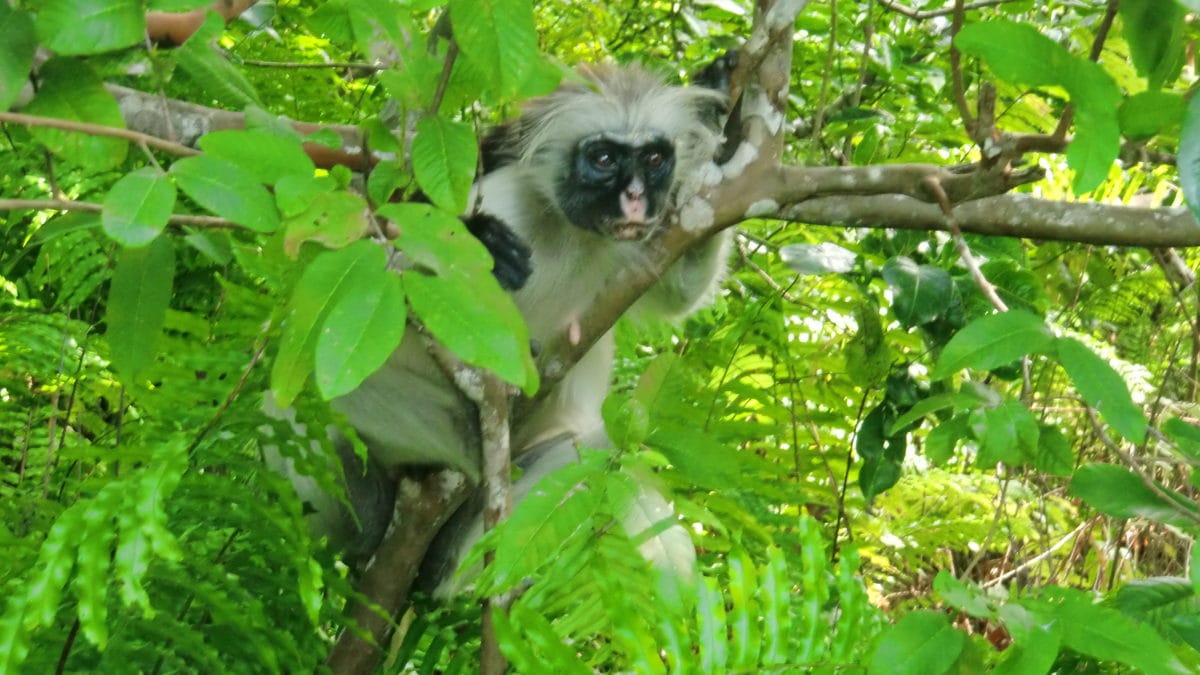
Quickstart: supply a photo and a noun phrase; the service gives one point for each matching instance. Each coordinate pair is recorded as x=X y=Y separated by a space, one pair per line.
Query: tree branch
x=422 y=507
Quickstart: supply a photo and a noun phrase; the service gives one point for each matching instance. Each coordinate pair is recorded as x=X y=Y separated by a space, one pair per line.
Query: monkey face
x=618 y=188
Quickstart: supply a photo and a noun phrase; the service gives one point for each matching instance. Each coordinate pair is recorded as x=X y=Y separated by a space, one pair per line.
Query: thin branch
x=98 y=130
x=92 y=207
x=964 y=251
x=1028 y=564
x=921 y=14
x=444 y=80
x=956 y=76
x=340 y=65
x=497 y=489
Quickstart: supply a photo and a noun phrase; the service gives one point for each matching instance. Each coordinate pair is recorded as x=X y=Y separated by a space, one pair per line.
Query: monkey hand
x=511 y=256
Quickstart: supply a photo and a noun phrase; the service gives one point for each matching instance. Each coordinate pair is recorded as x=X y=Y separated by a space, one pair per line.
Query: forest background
x=942 y=417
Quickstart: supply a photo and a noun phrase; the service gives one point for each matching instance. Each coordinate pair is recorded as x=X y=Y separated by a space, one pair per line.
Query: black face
x=617 y=189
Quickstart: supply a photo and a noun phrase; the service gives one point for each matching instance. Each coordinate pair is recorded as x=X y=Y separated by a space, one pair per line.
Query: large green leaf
x=137 y=208
x=228 y=191
x=443 y=158
x=1102 y=388
x=1189 y=156
x=326 y=280
x=498 y=38
x=334 y=219
x=1151 y=112
x=363 y=327
x=921 y=292
x=920 y=643
x=1007 y=433
x=71 y=91
x=1104 y=633
x=71 y=27
x=137 y=306
x=265 y=155
x=1120 y=493
x=17 y=45
x=1154 y=30
x=994 y=340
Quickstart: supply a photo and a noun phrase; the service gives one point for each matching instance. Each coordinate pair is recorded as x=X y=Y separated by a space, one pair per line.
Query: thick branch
x=1008 y=216
x=422 y=507
x=164 y=118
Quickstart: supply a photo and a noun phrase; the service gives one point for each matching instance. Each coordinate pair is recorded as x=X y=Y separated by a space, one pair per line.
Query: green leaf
x=955 y=400
x=992 y=341
x=17 y=46
x=70 y=27
x=212 y=71
x=228 y=191
x=1151 y=112
x=499 y=39
x=1017 y=52
x=965 y=597
x=876 y=476
x=559 y=508
x=1186 y=437
x=1054 y=455
x=940 y=443
x=1104 y=633
x=138 y=206
x=1007 y=433
x=713 y=628
x=1035 y=642
x=334 y=219
x=1189 y=156
x=264 y=155
x=322 y=285
x=702 y=459
x=1102 y=388
x=443 y=158
x=823 y=258
x=363 y=327
x=1120 y=493
x=137 y=306
x=921 y=293
x=462 y=305
x=920 y=643
x=1154 y=30
x=71 y=91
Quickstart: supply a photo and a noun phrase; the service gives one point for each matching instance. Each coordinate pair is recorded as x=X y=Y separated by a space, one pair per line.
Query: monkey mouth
x=630 y=231
x=625 y=230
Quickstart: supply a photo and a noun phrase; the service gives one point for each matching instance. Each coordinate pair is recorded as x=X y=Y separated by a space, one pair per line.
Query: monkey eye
x=654 y=159
x=603 y=160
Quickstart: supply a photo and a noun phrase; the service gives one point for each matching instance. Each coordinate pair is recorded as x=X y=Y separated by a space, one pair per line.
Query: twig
x=956 y=76
x=923 y=14
x=93 y=207
x=999 y=579
x=964 y=252
x=1136 y=467
x=497 y=490
x=355 y=65
x=98 y=130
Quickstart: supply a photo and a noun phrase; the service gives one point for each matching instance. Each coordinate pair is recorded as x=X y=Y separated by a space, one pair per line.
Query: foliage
x=988 y=490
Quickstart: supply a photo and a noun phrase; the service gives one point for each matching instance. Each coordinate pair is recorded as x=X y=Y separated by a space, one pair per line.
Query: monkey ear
x=501 y=146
